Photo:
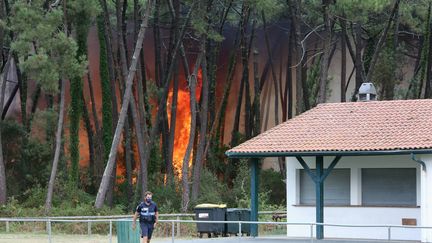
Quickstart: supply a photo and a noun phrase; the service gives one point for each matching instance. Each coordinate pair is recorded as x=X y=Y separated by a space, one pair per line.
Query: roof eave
x=326 y=153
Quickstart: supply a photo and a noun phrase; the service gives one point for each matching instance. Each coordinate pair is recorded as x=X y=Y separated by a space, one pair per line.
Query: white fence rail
x=175 y=231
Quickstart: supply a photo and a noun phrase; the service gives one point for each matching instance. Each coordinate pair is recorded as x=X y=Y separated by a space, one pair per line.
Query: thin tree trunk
x=185 y=167
x=220 y=113
x=343 y=60
x=9 y=101
x=128 y=152
x=247 y=107
x=265 y=109
x=289 y=78
x=172 y=128
x=2 y=32
x=121 y=78
x=163 y=98
x=144 y=125
x=109 y=50
x=381 y=41
x=134 y=111
x=162 y=121
x=126 y=99
x=257 y=97
x=295 y=16
x=243 y=48
x=359 y=68
x=203 y=132
x=325 y=61
x=174 y=10
x=91 y=143
x=275 y=81
x=48 y=202
x=3 y=185
x=107 y=101
x=157 y=42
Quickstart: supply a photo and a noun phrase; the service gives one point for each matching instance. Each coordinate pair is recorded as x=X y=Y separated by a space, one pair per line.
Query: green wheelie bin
x=210 y=212
x=125 y=233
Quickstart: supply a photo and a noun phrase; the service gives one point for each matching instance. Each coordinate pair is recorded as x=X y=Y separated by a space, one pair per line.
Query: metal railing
x=103 y=219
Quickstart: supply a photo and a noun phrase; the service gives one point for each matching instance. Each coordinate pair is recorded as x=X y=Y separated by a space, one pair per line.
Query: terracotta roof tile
x=351 y=126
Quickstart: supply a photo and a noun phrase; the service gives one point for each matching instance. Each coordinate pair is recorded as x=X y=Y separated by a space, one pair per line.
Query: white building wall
x=426 y=199
x=353 y=214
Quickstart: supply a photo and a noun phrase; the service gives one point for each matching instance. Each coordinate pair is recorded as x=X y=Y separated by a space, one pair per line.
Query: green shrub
x=212 y=190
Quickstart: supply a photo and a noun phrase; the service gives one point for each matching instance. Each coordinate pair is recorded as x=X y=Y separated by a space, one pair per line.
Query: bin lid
x=238 y=209
x=210 y=205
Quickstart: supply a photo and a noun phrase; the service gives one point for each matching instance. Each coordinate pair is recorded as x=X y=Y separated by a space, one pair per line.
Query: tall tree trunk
x=75 y=117
x=3 y=185
x=48 y=202
x=9 y=101
x=107 y=32
x=128 y=152
x=161 y=121
x=219 y=120
x=295 y=18
x=133 y=109
x=162 y=99
x=172 y=128
x=22 y=82
x=174 y=10
x=185 y=166
x=358 y=63
x=126 y=99
x=203 y=132
x=343 y=60
x=325 y=60
x=275 y=81
x=257 y=97
x=243 y=48
x=76 y=89
x=157 y=42
x=381 y=41
x=2 y=32
x=94 y=139
x=91 y=147
x=289 y=79
x=265 y=106
x=107 y=102
x=121 y=79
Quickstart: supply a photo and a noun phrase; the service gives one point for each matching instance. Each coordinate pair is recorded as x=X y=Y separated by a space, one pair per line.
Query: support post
x=319 y=190
x=178 y=226
x=254 y=196
x=318 y=177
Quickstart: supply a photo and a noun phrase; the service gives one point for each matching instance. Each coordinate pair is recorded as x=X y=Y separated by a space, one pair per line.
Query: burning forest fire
x=182 y=124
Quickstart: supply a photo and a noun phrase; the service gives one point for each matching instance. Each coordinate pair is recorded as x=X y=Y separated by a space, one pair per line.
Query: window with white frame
x=336 y=188
x=389 y=187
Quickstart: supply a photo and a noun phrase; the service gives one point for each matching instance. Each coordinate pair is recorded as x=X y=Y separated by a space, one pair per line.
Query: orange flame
x=183 y=123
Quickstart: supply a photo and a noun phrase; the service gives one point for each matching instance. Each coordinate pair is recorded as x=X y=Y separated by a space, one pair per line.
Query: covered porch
x=334 y=131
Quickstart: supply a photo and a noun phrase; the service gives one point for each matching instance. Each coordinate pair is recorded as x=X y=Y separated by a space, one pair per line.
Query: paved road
x=271 y=240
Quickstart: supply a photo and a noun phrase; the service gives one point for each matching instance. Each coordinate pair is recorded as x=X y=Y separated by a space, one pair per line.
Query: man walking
x=147 y=212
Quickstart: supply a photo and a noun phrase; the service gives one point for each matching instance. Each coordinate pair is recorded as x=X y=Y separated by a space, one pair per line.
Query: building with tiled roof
x=380 y=157
x=397 y=126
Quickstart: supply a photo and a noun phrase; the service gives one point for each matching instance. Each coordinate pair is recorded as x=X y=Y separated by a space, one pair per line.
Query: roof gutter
x=325 y=153
x=421 y=162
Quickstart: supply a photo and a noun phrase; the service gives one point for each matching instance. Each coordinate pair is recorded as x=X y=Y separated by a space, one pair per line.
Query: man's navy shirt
x=147 y=212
